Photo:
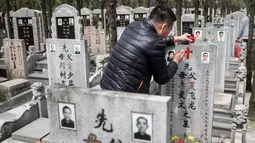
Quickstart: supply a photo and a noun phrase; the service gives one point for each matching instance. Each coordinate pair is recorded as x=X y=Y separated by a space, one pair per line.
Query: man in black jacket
x=140 y=53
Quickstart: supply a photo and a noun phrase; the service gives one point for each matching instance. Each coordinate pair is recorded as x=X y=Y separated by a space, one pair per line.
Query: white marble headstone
x=192 y=92
x=68 y=62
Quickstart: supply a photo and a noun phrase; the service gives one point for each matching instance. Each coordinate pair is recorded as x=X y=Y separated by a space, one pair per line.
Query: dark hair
x=169 y=52
x=66 y=107
x=162 y=14
x=142 y=118
x=198 y=32
x=205 y=54
x=221 y=32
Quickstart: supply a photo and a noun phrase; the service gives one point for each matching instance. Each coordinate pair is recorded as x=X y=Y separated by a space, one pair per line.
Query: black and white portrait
x=71 y=21
x=205 y=57
x=127 y=17
x=52 y=48
x=30 y=21
x=142 y=127
x=20 y=22
x=67 y=116
x=77 y=49
x=60 y=22
x=221 y=36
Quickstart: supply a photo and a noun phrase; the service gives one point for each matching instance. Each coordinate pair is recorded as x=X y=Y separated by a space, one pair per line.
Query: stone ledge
x=17 y=118
x=222 y=101
x=16 y=101
x=34 y=131
x=15 y=86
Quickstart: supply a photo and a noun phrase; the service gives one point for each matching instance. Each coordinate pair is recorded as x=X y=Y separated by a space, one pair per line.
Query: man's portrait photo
x=71 y=21
x=20 y=22
x=52 y=48
x=170 y=55
x=30 y=21
x=198 y=34
x=77 y=49
x=221 y=36
x=67 y=116
x=205 y=57
x=142 y=127
x=60 y=22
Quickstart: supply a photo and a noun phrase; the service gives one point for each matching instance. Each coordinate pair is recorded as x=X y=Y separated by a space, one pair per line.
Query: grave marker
x=86 y=15
x=26 y=26
x=116 y=118
x=140 y=13
x=192 y=91
x=15 y=58
x=66 y=23
x=188 y=23
x=68 y=62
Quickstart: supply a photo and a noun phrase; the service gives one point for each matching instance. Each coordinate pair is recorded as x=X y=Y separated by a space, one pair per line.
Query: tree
x=196 y=4
x=205 y=3
x=7 y=11
x=45 y=21
x=113 y=25
x=249 y=60
x=178 y=5
x=102 y=5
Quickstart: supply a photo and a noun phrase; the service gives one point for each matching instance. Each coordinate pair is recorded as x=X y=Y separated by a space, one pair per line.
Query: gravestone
x=86 y=16
x=115 y=118
x=68 y=62
x=188 y=23
x=15 y=58
x=98 y=41
x=192 y=92
x=140 y=13
x=124 y=18
x=212 y=36
x=68 y=58
x=26 y=26
x=66 y=23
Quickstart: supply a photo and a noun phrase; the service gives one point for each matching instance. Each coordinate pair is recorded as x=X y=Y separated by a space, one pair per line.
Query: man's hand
x=179 y=56
x=183 y=38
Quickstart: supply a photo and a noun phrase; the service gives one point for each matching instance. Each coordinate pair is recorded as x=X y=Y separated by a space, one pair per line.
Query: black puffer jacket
x=139 y=54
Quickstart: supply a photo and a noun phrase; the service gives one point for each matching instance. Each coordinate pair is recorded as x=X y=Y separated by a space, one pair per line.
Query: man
x=142 y=125
x=140 y=53
x=205 y=58
x=67 y=122
x=244 y=28
x=197 y=35
x=221 y=36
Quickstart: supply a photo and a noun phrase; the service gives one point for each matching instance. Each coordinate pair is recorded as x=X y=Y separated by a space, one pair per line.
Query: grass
x=3 y=95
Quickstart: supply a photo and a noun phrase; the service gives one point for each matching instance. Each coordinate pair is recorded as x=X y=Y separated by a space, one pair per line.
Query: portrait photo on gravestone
x=67 y=116
x=142 y=127
x=221 y=36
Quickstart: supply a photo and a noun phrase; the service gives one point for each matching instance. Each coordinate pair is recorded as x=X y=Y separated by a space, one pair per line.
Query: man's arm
x=161 y=72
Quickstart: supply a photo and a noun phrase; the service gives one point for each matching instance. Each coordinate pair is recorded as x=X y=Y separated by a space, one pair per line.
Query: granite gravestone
x=26 y=26
x=188 y=23
x=116 y=118
x=86 y=16
x=192 y=92
x=68 y=62
x=124 y=18
x=15 y=58
x=3 y=35
x=98 y=41
x=66 y=23
x=140 y=13
x=213 y=36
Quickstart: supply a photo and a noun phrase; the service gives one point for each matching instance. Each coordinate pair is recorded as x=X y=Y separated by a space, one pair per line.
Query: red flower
x=179 y=141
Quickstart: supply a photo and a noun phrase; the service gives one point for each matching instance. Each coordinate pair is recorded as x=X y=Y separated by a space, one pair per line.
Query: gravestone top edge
x=65 y=10
x=96 y=11
x=24 y=12
x=141 y=9
x=93 y=92
x=85 y=11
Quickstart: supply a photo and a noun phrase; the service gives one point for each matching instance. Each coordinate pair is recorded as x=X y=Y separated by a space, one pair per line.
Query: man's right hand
x=179 y=56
